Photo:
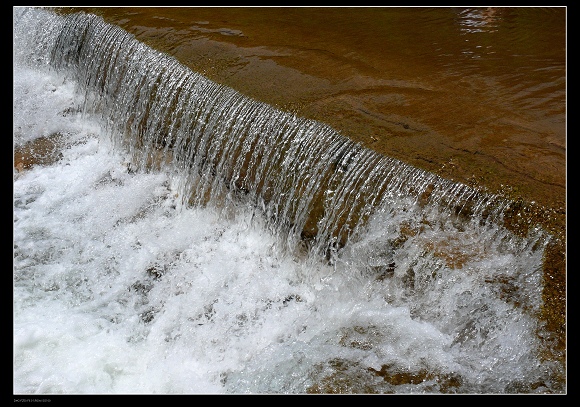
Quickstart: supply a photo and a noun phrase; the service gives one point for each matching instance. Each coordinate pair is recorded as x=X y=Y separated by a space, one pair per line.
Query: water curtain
x=315 y=186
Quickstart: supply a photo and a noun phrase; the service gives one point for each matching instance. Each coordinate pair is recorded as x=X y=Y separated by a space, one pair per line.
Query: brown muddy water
x=476 y=95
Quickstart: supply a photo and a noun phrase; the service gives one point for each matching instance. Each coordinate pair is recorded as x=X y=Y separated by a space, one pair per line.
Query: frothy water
x=187 y=239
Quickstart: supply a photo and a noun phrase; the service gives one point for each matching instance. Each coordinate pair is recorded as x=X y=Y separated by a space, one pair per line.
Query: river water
x=473 y=94
x=175 y=236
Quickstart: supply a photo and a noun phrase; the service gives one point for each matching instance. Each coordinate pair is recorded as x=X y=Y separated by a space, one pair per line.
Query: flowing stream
x=185 y=238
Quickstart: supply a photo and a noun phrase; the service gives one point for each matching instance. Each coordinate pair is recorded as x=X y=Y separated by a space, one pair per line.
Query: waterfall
x=313 y=184
x=441 y=250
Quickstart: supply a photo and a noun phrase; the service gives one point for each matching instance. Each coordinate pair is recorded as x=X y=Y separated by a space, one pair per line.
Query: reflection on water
x=479 y=20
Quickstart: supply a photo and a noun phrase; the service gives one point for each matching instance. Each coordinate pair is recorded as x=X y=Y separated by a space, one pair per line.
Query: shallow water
x=138 y=269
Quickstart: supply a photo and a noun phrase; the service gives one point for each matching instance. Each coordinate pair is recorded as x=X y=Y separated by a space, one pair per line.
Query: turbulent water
x=186 y=239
